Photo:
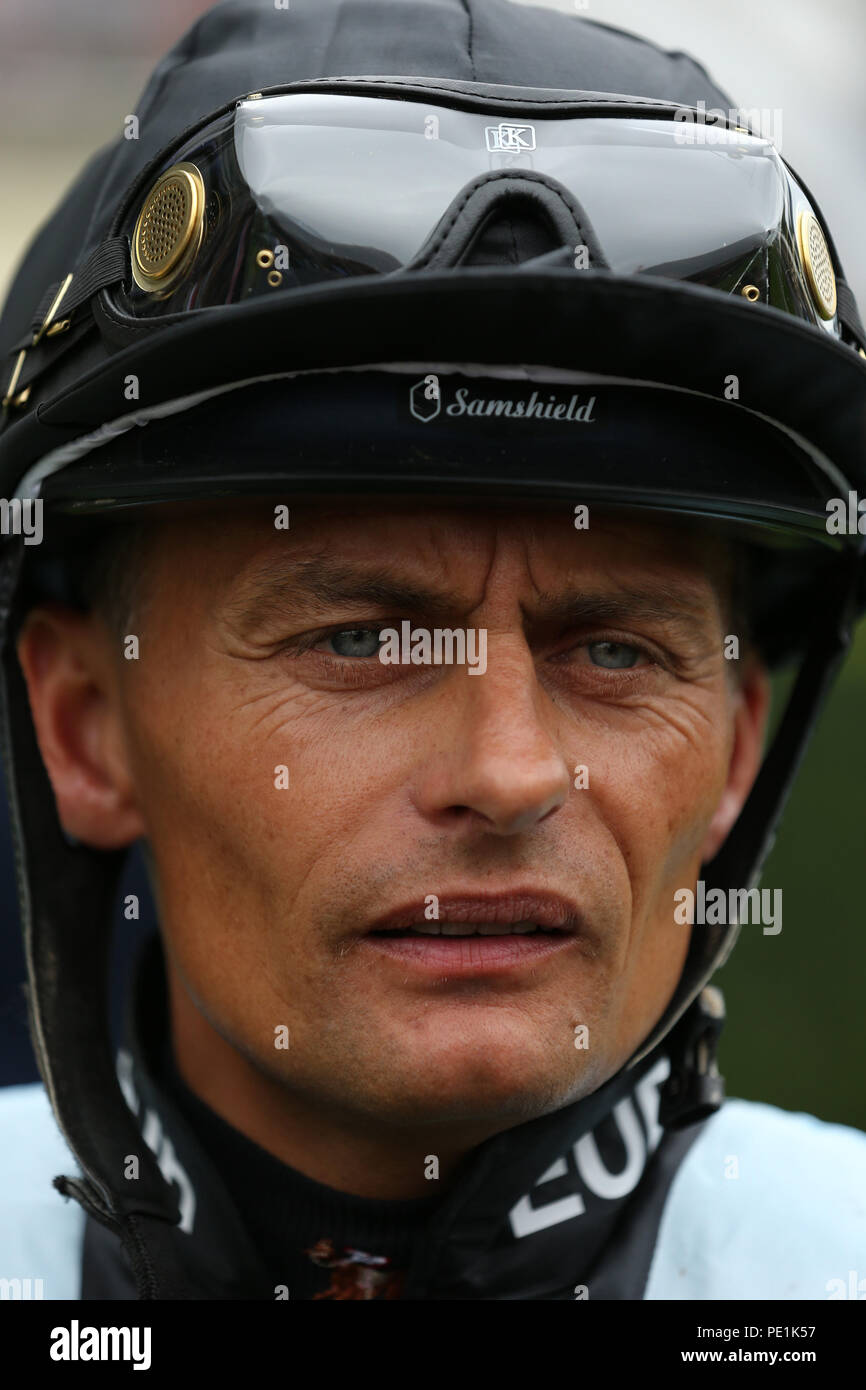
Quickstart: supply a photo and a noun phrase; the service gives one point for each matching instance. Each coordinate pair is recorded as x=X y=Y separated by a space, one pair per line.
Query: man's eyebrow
x=654 y=602
x=321 y=583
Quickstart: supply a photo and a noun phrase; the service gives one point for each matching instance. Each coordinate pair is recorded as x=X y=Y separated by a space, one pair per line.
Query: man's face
x=301 y=797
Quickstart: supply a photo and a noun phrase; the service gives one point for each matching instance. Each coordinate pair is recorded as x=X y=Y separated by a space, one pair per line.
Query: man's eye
x=614 y=656
x=353 y=641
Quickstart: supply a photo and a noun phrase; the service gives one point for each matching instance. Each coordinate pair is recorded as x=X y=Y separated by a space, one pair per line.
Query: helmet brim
x=711 y=355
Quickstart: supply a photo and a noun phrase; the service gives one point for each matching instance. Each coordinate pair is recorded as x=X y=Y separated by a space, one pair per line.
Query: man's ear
x=70 y=669
x=750 y=722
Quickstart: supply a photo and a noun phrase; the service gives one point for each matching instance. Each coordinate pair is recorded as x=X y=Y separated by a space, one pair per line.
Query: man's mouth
x=476 y=935
x=470 y=929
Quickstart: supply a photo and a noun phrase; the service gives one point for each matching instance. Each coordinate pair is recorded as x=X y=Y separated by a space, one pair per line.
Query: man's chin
x=461 y=1085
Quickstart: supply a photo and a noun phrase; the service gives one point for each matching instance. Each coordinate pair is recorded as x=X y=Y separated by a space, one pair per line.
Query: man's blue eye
x=615 y=656
x=356 y=641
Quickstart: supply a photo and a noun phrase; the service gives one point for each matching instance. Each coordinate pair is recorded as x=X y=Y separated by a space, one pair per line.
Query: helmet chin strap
x=67 y=894
x=693 y=1019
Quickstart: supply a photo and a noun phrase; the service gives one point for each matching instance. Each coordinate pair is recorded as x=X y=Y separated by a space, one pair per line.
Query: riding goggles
x=307 y=186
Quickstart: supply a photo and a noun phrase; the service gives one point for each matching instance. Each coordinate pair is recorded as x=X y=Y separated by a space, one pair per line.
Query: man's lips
x=511 y=929
x=546 y=910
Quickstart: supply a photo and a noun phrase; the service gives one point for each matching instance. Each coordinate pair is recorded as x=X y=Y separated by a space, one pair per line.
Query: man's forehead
x=319 y=555
x=253 y=545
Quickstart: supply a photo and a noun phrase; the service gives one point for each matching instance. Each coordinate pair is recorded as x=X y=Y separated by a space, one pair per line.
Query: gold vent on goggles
x=168 y=232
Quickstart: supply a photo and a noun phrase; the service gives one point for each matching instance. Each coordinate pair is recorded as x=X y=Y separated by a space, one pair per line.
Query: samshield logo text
x=425 y=403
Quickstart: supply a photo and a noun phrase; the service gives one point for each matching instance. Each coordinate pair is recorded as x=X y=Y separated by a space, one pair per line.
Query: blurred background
x=71 y=72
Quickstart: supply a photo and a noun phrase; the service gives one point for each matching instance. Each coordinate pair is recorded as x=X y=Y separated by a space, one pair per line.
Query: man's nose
x=494 y=758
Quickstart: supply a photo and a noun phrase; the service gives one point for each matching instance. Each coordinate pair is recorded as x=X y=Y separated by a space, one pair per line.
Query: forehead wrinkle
x=319 y=582
x=281 y=582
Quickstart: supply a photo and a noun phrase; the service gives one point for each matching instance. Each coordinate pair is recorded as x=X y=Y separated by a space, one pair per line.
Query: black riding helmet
x=434 y=247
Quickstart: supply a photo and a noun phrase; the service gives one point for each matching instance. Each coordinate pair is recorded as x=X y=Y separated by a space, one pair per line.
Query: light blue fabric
x=41 y=1232
x=790 y=1224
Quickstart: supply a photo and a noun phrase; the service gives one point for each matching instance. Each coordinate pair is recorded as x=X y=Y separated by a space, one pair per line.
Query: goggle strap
x=104 y=266
x=53 y=316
